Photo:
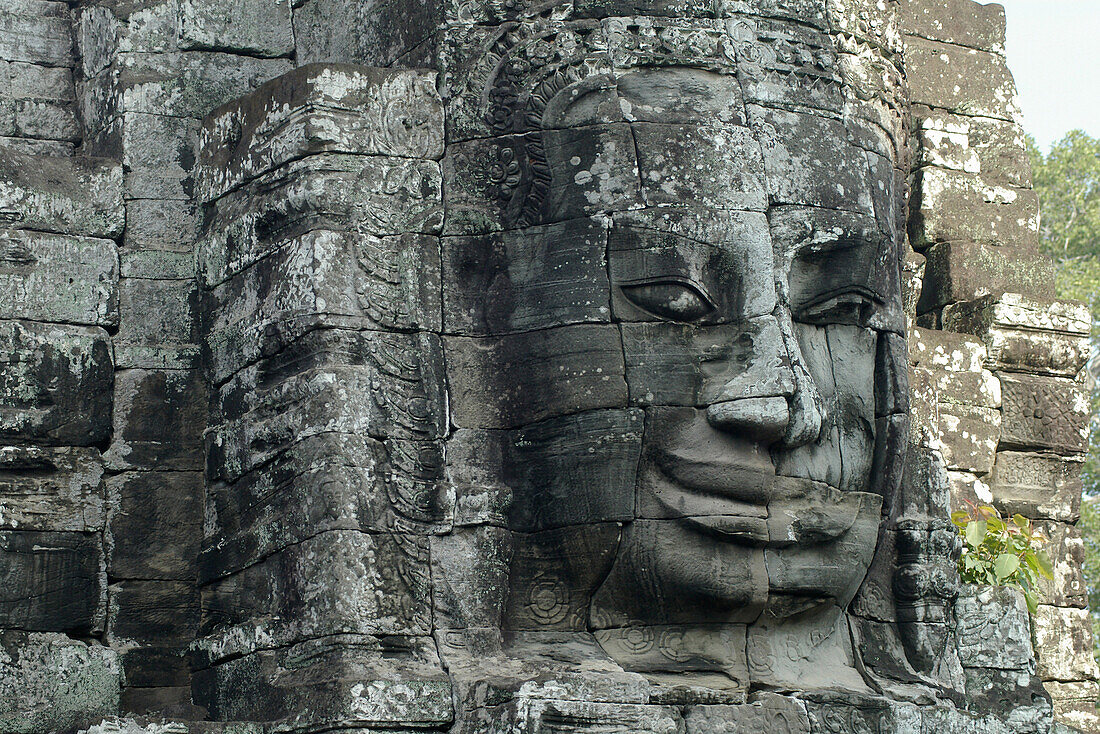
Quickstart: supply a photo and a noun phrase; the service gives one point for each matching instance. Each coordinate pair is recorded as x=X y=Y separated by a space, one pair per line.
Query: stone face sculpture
x=498 y=366
x=737 y=258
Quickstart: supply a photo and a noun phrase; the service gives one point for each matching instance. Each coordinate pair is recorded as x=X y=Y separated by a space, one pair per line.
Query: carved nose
x=760 y=419
x=795 y=417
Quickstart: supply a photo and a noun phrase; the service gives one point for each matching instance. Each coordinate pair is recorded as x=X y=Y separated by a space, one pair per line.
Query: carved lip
x=741 y=482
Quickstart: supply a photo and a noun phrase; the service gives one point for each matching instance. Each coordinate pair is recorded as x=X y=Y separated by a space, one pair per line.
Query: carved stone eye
x=852 y=307
x=669 y=299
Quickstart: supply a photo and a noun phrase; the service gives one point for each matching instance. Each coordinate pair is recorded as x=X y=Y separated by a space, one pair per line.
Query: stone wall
x=997 y=363
x=103 y=406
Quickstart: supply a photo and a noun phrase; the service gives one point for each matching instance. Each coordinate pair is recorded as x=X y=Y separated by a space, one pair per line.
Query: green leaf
x=1032 y=602
x=1005 y=565
x=975 y=532
x=1046 y=568
x=1021 y=522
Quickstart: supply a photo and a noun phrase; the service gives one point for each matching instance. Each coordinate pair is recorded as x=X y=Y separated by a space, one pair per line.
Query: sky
x=1052 y=50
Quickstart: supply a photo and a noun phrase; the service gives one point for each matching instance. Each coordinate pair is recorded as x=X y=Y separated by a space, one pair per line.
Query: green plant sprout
x=1002 y=552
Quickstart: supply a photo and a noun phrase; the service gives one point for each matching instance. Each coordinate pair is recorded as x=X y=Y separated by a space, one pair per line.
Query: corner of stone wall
x=997 y=364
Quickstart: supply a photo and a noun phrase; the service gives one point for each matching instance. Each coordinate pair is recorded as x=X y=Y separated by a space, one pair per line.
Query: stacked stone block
x=1015 y=429
x=58 y=309
x=37 y=97
x=324 y=453
x=148 y=73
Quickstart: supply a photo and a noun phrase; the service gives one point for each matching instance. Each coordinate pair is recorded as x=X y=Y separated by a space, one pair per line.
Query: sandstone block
x=387 y=683
x=50 y=581
x=332 y=108
x=1044 y=413
x=152 y=613
x=76 y=196
x=1063 y=638
x=505 y=282
x=953 y=206
x=1038 y=486
x=337 y=582
x=1067 y=551
x=1018 y=695
x=968 y=436
x=386 y=385
x=1075 y=703
x=960 y=22
x=330 y=481
x=175 y=84
x=493 y=379
x=157 y=327
x=51 y=682
x=994 y=628
x=1001 y=151
x=256 y=28
x=377 y=196
x=51 y=489
x=58 y=278
x=56 y=385
x=154 y=525
x=159 y=416
x=1026 y=334
x=161 y=224
x=945 y=350
x=374 y=35
x=322 y=279
x=37 y=37
x=960 y=80
x=962 y=271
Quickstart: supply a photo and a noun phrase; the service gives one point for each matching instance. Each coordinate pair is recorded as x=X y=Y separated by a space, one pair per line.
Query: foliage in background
x=1002 y=552
x=1067 y=180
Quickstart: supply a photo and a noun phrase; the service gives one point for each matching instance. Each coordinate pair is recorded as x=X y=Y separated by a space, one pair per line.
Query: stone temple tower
x=498 y=366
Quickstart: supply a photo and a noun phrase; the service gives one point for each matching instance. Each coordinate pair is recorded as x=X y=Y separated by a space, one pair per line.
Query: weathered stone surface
x=1064 y=637
x=161 y=224
x=159 y=416
x=341 y=581
x=37 y=34
x=374 y=195
x=1026 y=334
x=960 y=80
x=961 y=22
x=503 y=382
x=323 y=279
x=1039 y=486
x=152 y=612
x=767 y=713
x=50 y=682
x=1001 y=152
x=154 y=525
x=952 y=206
x=49 y=277
x=1044 y=413
x=944 y=350
x=1067 y=551
x=993 y=628
x=175 y=84
x=51 y=489
x=157 y=327
x=519 y=280
x=1019 y=693
x=374 y=34
x=320 y=108
x=325 y=482
x=55 y=387
x=380 y=384
x=390 y=683
x=809 y=161
x=962 y=271
x=1075 y=703
x=50 y=581
x=258 y=27
x=77 y=196
x=968 y=436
